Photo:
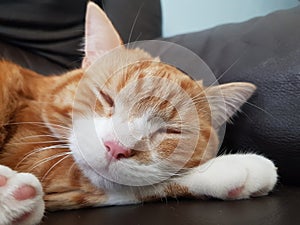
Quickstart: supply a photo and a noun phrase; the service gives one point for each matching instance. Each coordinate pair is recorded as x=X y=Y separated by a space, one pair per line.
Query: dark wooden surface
x=280 y=208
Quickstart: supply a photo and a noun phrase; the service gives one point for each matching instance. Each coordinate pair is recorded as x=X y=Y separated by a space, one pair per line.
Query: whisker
x=229 y=68
x=261 y=109
x=42 y=124
x=40 y=162
x=134 y=23
x=35 y=142
x=40 y=150
x=138 y=37
x=54 y=165
x=72 y=167
x=217 y=99
x=43 y=135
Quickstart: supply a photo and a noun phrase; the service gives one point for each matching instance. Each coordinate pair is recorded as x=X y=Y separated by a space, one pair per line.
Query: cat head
x=138 y=121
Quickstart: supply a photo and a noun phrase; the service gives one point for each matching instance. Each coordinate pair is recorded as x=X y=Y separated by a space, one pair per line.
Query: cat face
x=137 y=121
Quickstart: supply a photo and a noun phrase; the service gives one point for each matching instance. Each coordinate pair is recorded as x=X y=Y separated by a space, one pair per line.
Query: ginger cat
x=124 y=129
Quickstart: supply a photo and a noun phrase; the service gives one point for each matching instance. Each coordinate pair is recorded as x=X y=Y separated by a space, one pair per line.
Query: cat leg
x=21 y=198
x=227 y=177
x=238 y=176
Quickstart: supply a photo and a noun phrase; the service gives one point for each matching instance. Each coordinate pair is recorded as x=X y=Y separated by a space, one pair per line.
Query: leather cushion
x=266 y=52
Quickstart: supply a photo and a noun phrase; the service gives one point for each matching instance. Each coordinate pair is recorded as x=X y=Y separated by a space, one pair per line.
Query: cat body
x=124 y=129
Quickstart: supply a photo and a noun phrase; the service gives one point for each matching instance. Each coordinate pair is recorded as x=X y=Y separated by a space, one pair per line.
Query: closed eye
x=169 y=130
x=173 y=131
x=107 y=98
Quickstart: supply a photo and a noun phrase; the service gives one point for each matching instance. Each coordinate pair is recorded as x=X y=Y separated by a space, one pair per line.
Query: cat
x=124 y=129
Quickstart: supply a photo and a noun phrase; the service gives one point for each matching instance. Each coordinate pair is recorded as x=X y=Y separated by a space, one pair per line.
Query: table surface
x=280 y=208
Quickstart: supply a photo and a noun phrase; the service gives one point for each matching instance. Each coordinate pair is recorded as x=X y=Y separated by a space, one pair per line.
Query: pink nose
x=116 y=150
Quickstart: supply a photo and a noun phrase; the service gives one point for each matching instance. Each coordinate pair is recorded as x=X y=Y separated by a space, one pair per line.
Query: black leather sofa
x=46 y=36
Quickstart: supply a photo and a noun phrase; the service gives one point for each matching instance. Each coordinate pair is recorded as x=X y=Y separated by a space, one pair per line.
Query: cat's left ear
x=226 y=99
x=100 y=34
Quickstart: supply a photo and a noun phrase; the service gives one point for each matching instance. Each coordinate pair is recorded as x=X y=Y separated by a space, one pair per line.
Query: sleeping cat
x=124 y=129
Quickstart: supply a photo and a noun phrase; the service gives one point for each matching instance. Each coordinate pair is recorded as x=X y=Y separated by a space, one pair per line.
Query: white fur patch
x=121 y=198
x=10 y=208
x=253 y=174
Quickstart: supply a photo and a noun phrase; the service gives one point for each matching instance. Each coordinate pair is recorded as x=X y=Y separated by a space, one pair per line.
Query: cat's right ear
x=226 y=99
x=100 y=34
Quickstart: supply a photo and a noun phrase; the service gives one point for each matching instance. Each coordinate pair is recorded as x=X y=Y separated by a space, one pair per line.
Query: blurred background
x=194 y=15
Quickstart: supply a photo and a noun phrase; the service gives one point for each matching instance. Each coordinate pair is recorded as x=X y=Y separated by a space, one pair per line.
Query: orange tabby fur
x=41 y=128
x=25 y=94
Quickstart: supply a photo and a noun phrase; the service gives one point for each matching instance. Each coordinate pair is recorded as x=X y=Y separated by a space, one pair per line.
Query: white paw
x=261 y=177
x=238 y=176
x=21 y=198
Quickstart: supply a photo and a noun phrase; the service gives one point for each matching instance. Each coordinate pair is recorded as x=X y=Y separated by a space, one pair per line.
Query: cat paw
x=21 y=198
x=255 y=176
x=232 y=177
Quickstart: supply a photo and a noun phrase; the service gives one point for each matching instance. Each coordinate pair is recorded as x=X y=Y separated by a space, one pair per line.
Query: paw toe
x=24 y=192
x=3 y=180
x=235 y=193
x=21 y=198
x=28 y=186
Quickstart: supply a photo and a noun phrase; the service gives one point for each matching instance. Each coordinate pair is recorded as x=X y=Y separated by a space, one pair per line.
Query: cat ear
x=100 y=34
x=225 y=100
x=200 y=83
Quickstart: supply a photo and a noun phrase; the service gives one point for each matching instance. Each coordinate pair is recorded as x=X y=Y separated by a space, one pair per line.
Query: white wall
x=182 y=16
